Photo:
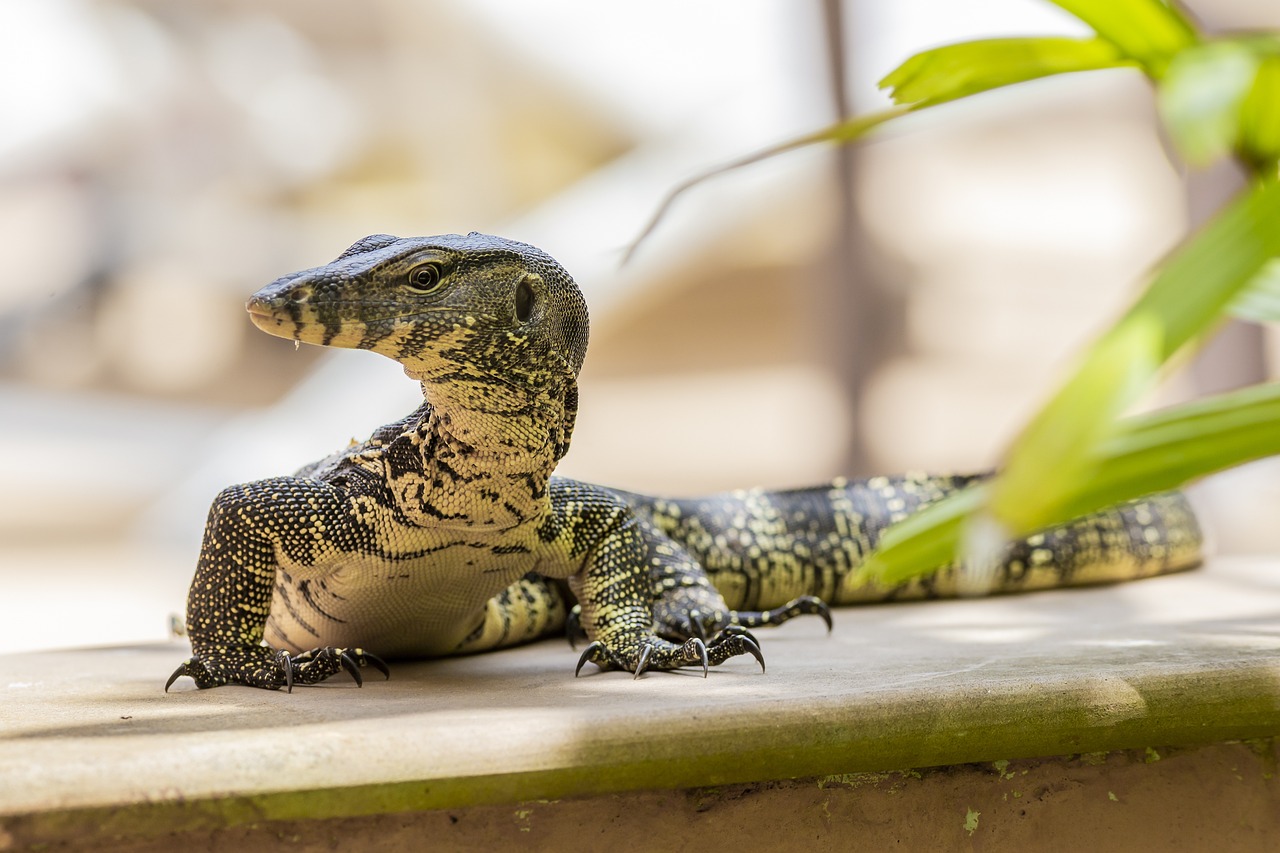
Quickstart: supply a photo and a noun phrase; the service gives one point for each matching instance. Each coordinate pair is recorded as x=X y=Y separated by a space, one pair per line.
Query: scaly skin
x=446 y=533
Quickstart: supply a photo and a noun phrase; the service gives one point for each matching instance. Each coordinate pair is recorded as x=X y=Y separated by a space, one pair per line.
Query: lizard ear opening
x=524 y=300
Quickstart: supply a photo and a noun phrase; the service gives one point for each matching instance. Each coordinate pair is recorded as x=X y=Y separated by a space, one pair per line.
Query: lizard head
x=449 y=306
x=495 y=330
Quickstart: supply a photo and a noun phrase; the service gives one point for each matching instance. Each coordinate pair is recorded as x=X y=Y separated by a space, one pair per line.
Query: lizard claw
x=645 y=651
x=753 y=648
x=363 y=657
x=353 y=659
x=588 y=653
x=350 y=665
x=285 y=661
x=749 y=642
x=821 y=609
x=701 y=648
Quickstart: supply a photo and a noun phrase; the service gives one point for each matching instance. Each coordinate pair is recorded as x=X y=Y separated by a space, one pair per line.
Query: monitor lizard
x=446 y=532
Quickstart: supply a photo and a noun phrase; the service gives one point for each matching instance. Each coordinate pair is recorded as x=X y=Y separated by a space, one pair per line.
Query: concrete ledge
x=90 y=746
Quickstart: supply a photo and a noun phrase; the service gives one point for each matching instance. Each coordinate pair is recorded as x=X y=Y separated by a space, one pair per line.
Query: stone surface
x=90 y=743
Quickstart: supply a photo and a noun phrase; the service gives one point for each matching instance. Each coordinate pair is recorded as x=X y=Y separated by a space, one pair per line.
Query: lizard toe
x=805 y=605
x=194 y=668
x=316 y=665
x=597 y=653
x=732 y=643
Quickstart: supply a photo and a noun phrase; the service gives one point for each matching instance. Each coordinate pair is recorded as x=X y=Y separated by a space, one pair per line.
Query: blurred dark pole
x=855 y=315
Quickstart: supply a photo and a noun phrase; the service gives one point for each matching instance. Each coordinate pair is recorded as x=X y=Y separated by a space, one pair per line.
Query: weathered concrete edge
x=1179 y=709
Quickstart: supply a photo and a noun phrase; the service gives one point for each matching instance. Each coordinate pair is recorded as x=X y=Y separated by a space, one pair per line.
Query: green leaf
x=924 y=541
x=1052 y=454
x=924 y=80
x=958 y=70
x=1148 y=31
x=1203 y=277
x=1166 y=449
x=1259 y=301
x=1066 y=447
x=1150 y=453
x=1260 y=114
x=1202 y=96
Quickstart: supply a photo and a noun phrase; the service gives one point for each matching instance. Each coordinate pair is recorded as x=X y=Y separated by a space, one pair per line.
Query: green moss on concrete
x=158 y=818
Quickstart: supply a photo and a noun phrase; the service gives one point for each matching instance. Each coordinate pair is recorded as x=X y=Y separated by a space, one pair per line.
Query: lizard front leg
x=616 y=599
x=687 y=604
x=230 y=597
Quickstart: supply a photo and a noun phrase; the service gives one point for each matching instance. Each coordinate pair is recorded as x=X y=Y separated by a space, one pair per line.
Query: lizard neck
x=500 y=420
x=480 y=458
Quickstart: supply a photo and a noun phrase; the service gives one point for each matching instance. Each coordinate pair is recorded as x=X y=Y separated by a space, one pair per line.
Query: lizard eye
x=424 y=279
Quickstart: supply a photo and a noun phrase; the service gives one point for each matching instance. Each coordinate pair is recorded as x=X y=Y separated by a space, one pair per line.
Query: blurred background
x=904 y=305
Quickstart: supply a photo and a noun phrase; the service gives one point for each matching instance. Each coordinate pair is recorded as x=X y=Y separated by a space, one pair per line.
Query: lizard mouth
x=296 y=320
x=278 y=318
x=271 y=320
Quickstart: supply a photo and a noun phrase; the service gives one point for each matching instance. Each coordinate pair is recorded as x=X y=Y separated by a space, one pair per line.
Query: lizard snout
x=277 y=310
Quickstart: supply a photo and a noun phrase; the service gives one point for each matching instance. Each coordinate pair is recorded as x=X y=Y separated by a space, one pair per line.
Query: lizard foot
x=805 y=605
x=261 y=666
x=315 y=665
x=676 y=626
x=656 y=653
